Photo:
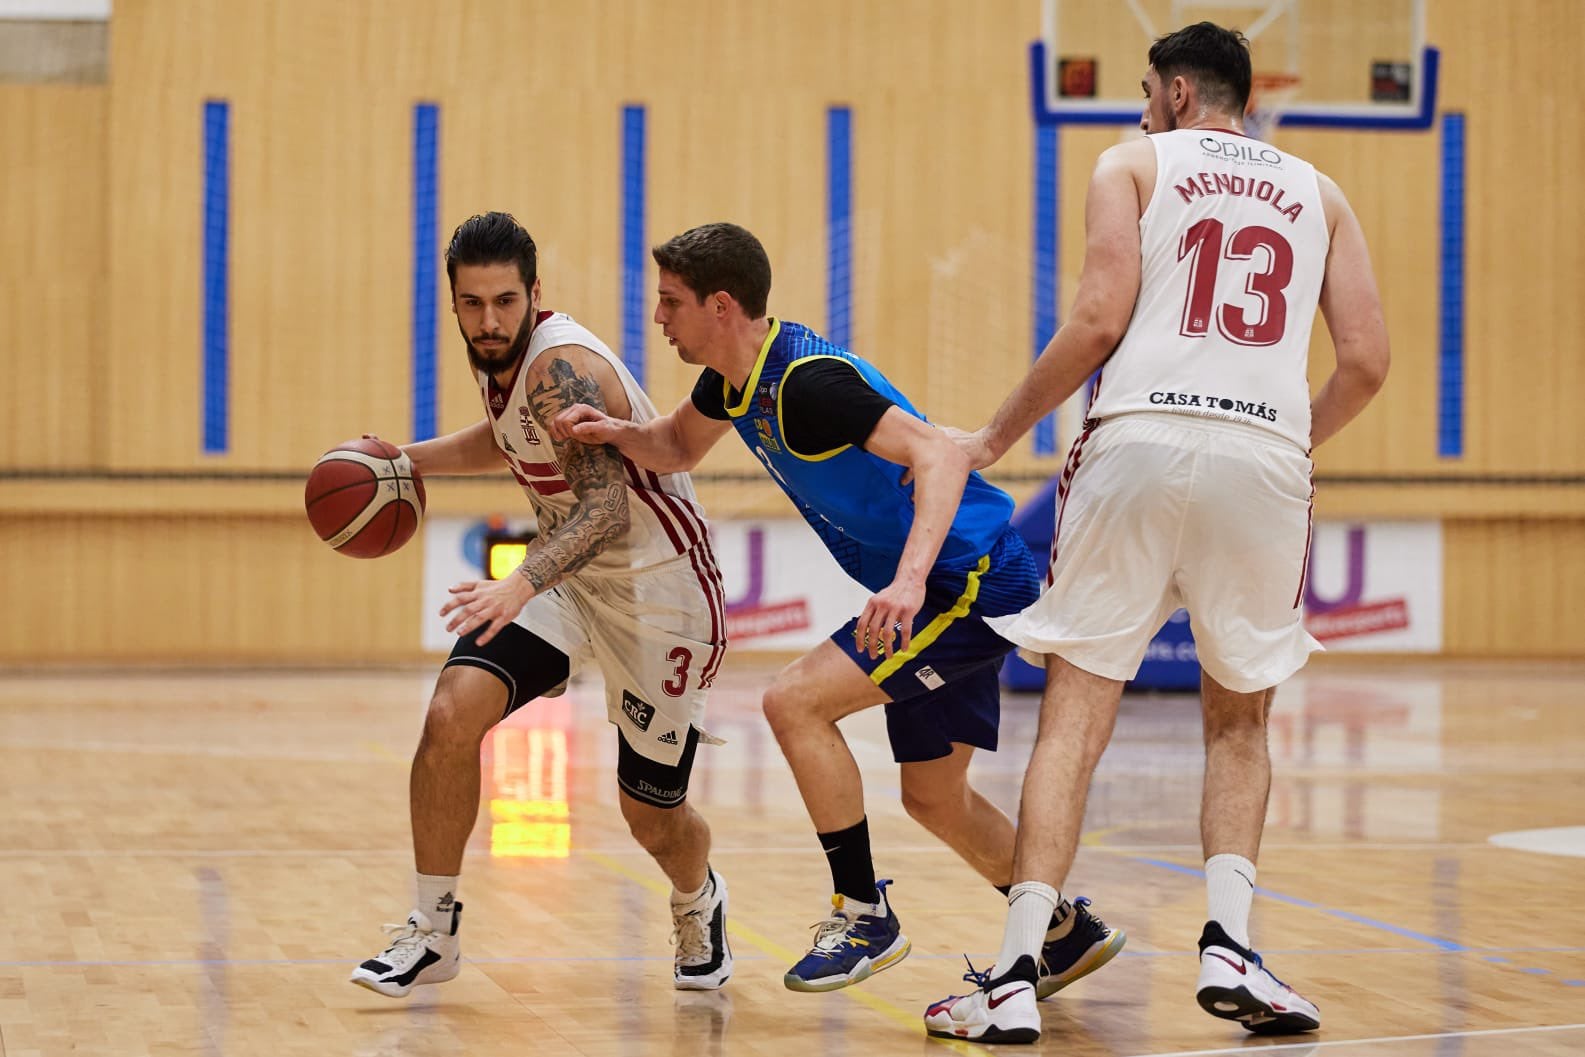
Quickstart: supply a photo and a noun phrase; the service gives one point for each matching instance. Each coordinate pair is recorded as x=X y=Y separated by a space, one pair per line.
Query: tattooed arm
x=558 y=379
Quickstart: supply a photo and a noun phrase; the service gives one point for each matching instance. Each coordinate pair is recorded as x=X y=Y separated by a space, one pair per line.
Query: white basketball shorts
x=658 y=637
x=1166 y=511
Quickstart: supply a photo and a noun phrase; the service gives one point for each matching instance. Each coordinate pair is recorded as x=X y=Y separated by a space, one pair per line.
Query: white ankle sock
x=1230 y=889
x=436 y=897
x=1029 y=908
x=681 y=899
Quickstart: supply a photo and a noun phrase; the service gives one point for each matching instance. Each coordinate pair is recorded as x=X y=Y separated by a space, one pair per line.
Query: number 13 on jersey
x=1203 y=245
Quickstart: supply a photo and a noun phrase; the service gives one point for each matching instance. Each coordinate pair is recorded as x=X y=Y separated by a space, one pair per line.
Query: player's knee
x=461 y=711
x=934 y=802
x=929 y=808
x=1245 y=725
x=656 y=829
x=781 y=709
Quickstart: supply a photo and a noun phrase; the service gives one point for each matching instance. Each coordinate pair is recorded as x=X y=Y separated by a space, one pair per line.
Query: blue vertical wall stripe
x=633 y=249
x=1450 y=342
x=426 y=264
x=217 y=276
x=839 y=225
x=1044 y=295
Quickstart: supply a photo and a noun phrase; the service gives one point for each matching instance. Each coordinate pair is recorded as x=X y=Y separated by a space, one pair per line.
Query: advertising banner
x=783 y=590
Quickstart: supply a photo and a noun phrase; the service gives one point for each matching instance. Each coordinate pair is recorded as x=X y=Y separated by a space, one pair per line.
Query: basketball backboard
x=1349 y=63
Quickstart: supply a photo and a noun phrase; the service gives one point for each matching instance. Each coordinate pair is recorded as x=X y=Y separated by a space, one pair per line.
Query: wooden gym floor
x=193 y=862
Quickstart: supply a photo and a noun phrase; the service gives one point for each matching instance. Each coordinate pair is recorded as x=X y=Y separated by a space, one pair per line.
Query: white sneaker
x=418 y=954
x=1235 y=985
x=1000 y=1010
x=703 y=961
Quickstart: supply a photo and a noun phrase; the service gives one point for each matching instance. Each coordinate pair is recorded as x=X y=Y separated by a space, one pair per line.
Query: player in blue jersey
x=894 y=501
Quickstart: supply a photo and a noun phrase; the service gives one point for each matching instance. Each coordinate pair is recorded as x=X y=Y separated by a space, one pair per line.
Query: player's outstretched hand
x=973 y=445
x=581 y=422
x=490 y=604
x=887 y=624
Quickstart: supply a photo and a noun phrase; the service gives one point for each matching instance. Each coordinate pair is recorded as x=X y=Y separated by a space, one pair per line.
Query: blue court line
x=426 y=274
x=1044 y=295
x=217 y=276
x=839 y=225
x=1450 y=294
x=633 y=205
x=1358 y=919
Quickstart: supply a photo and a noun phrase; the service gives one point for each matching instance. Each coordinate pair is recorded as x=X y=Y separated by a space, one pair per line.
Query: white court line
x=1307 y=1046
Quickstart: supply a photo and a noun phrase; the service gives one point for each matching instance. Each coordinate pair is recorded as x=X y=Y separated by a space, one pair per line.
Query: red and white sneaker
x=999 y=1010
x=1235 y=985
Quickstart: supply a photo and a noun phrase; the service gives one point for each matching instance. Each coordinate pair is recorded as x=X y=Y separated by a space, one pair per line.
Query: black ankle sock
x=848 y=852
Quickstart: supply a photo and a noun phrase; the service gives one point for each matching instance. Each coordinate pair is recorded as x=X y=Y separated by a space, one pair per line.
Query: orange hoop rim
x=1269 y=83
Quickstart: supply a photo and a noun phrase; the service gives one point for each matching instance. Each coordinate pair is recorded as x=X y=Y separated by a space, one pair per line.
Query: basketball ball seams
x=377 y=511
x=327 y=493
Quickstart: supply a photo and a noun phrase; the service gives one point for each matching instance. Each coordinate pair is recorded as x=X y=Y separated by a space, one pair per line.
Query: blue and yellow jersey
x=855 y=501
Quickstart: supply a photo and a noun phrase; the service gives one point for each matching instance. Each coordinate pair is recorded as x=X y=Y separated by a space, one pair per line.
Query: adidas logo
x=668 y=738
x=928 y=676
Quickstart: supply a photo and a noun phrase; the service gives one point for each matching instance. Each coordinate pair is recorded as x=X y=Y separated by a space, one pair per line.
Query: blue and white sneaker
x=1235 y=985
x=1087 y=946
x=857 y=941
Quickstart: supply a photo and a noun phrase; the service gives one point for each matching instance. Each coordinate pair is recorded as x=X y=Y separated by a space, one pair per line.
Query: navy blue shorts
x=945 y=690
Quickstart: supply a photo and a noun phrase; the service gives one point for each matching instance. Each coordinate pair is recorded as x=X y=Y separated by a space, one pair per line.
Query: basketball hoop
x=1269 y=95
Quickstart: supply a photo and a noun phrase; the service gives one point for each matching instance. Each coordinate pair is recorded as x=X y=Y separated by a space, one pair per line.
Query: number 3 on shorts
x=681 y=656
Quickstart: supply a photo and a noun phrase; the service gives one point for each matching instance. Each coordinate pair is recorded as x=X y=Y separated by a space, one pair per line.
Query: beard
x=501 y=359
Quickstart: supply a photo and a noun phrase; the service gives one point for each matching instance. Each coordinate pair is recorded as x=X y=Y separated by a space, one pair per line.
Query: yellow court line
x=384 y=753
x=895 y=1013
x=1096 y=838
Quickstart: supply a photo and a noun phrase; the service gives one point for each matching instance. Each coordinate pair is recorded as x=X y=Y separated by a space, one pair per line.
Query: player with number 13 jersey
x=1233 y=249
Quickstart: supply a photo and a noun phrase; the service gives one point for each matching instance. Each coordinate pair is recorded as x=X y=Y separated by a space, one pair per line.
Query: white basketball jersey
x=1233 y=250
x=667 y=520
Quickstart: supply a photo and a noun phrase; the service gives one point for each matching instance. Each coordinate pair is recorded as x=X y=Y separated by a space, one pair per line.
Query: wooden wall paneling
x=1512 y=588
x=53 y=278
x=160 y=589
x=1504 y=68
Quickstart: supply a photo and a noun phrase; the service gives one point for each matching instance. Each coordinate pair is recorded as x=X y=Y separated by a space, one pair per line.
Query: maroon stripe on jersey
x=550 y=487
x=541 y=469
x=654 y=504
x=715 y=590
x=1064 y=486
x=512 y=465
x=1309 y=528
x=705 y=567
x=710 y=580
x=678 y=510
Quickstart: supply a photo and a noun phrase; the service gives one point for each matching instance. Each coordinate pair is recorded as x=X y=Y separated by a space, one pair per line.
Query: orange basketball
x=364 y=498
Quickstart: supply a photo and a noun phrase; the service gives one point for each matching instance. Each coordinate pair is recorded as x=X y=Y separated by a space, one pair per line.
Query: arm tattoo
x=593 y=472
